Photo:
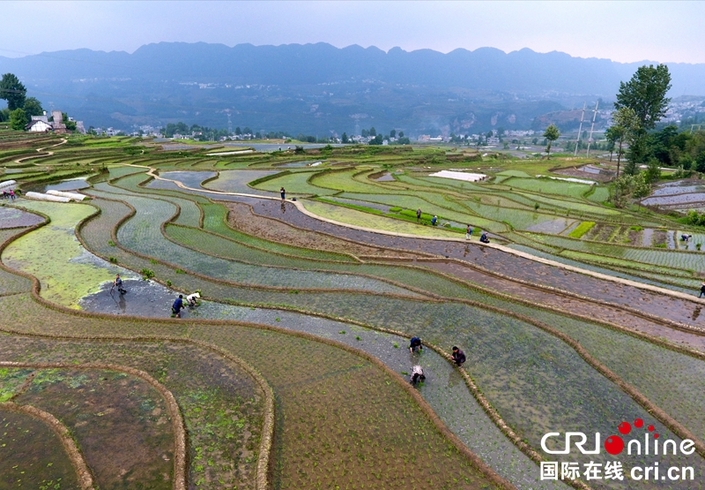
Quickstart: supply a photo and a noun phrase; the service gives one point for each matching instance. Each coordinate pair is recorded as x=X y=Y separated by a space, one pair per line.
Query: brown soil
x=659 y=238
x=634 y=237
x=601 y=232
x=581 y=174
x=243 y=219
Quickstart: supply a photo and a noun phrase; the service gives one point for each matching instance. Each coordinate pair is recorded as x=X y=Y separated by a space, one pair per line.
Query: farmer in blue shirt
x=415 y=344
x=178 y=306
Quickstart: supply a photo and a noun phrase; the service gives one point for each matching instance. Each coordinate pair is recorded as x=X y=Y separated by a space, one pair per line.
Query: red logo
x=614 y=444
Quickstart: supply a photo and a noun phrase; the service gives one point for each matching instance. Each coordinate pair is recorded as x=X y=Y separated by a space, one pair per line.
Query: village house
x=41 y=124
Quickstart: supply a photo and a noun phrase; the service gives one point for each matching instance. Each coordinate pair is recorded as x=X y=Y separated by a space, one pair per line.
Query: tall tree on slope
x=645 y=94
x=12 y=90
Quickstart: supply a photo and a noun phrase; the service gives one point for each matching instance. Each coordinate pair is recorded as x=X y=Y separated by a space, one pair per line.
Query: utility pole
x=230 y=123
x=592 y=126
x=580 y=130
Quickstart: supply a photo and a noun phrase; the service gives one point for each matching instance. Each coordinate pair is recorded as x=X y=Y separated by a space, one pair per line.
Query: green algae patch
x=54 y=255
x=365 y=220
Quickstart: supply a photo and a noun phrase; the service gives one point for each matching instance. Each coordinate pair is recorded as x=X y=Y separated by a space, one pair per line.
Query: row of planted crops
x=309 y=342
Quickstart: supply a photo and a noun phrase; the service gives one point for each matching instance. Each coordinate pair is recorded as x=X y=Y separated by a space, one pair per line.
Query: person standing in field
x=282 y=192
x=418 y=215
x=118 y=284
x=702 y=289
x=468 y=232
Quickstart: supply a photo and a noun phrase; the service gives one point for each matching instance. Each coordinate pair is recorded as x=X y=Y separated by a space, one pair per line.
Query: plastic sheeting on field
x=450 y=174
x=38 y=196
x=74 y=196
x=7 y=185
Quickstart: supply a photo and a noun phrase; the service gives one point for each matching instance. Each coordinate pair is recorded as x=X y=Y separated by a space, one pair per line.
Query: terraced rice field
x=293 y=371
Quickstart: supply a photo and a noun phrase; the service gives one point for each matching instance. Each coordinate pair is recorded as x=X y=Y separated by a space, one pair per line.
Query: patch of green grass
x=581 y=229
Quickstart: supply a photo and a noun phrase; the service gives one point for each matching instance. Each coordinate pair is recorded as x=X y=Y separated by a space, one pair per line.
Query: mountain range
x=320 y=89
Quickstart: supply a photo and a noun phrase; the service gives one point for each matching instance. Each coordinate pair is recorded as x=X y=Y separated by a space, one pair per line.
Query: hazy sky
x=623 y=30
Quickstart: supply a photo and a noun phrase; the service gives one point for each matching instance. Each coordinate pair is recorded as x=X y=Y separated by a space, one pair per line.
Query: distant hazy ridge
x=317 y=88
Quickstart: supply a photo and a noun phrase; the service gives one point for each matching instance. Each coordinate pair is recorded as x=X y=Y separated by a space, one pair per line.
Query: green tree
x=642 y=186
x=551 y=134
x=625 y=129
x=612 y=136
x=629 y=186
x=653 y=171
x=695 y=148
x=377 y=140
x=392 y=133
x=33 y=107
x=345 y=138
x=18 y=119
x=70 y=125
x=373 y=131
x=645 y=94
x=621 y=189
x=12 y=90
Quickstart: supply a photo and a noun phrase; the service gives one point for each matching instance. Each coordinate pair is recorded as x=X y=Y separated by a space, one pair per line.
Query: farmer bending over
x=177 y=306
x=416 y=375
x=458 y=356
x=193 y=299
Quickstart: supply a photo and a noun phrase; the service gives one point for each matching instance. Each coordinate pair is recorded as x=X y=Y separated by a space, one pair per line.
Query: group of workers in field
x=417 y=375
x=191 y=301
x=484 y=238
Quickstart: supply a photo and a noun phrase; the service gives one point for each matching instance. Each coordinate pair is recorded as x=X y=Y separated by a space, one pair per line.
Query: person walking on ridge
x=282 y=192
